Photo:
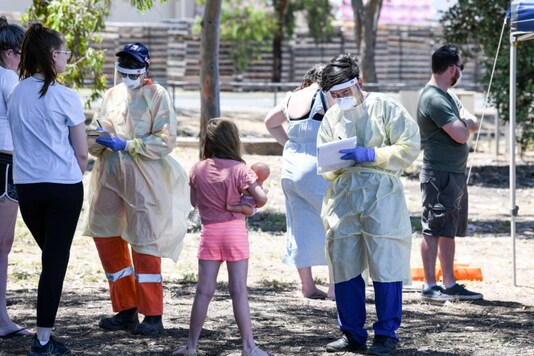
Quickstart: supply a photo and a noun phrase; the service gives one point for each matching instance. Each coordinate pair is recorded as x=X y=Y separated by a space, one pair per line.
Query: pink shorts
x=224 y=241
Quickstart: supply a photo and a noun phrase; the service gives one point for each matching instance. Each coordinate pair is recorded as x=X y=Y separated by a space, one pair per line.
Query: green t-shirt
x=434 y=110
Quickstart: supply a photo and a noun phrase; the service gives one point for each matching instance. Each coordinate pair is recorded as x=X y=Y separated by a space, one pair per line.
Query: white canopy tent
x=521 y=20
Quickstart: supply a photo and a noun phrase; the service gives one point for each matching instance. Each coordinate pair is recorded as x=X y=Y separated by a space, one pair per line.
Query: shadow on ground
x=284 y=323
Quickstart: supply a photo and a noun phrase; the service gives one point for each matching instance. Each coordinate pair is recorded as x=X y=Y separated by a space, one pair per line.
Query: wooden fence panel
x=403 y=54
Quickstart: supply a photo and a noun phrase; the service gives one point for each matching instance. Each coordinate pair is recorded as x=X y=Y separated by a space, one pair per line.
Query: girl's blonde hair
x=222 y=140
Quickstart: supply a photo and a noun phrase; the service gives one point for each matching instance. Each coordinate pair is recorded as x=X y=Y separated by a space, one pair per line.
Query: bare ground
x=284 y=322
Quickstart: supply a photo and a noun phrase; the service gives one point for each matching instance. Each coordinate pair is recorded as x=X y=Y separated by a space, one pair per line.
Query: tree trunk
x=209 y=67
x=366 y=26
x=277 y=42
x=358 y=11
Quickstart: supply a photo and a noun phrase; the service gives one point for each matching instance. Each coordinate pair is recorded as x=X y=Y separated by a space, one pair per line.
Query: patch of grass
x=275 y=284
x=267 y=221
x=222 y=285
x=319 y=281
x=416 y=223
x=188 y=278
x=24 y=275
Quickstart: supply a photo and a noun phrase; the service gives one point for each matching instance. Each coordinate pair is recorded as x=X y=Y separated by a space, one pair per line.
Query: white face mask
x=132 y=83
x=346 y=102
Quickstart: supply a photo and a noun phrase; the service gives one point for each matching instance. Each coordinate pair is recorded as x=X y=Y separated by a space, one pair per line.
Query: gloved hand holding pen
x=358 y=154
x=115 y=143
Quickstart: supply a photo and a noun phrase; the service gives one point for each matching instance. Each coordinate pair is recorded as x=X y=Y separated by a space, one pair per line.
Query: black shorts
x=7 y=188
x=445 y=202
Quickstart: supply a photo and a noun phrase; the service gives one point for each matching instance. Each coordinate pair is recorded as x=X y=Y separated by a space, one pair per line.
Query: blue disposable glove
x=359 y=154
x=115 y=143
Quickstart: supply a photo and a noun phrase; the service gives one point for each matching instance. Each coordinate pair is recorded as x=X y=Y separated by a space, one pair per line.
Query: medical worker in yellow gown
x=365 y=216
x=138 y=194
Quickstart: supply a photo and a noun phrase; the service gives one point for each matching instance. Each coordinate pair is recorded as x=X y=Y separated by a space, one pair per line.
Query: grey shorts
x=445 y=203
x=7 y=188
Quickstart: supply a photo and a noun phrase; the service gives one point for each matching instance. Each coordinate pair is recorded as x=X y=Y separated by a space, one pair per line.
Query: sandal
x=255 y=352
x=184 y=351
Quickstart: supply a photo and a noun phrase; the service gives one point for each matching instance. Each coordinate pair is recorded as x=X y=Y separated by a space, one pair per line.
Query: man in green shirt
x=445 y=127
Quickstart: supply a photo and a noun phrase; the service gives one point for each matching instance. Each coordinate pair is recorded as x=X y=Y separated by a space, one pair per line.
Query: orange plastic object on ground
x=462 y=272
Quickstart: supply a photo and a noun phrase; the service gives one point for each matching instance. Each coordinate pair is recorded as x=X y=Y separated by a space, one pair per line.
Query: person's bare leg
x=237 y=285
x=207 y=283
x=429 y=252
x=331 y=293
x=43 y=334
x=309 y=289
x=446 y=251
x=8 y=219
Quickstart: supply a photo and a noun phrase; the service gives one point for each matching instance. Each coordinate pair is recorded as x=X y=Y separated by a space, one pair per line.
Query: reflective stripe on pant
x=117 y=263
x=350 y=301
x=149 y=283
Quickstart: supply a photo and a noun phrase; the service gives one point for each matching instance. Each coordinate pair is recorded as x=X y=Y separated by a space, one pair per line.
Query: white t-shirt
x=8 y=80
x=40 y=128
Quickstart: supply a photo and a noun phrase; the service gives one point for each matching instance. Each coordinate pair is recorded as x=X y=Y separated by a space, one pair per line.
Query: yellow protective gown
x=142 y=193
x=364 y=211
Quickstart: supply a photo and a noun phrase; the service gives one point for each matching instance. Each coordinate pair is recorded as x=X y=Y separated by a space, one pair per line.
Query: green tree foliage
x=81 y=22
x=475 y=26
x=319 y=19
x=318 y=14
x=246 y=26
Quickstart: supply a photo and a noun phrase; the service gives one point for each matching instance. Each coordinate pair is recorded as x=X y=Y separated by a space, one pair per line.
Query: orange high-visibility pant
x=128 y=289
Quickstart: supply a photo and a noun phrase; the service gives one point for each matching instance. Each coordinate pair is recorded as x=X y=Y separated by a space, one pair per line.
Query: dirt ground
x=286 y=323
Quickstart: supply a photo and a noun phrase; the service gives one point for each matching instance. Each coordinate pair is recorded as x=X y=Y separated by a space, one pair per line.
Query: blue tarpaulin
x=521 y=15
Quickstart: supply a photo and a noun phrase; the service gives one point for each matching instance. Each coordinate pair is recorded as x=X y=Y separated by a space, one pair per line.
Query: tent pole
x=511 y=150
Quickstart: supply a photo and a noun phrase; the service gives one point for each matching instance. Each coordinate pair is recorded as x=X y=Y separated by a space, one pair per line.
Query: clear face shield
x=132 y=78
x=347 y=95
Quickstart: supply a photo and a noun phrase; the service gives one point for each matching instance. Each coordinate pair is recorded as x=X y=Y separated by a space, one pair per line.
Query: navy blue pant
x=350 y=301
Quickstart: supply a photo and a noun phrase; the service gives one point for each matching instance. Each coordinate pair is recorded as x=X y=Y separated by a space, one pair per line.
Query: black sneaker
x=52 y=347
x=459 y=292
x=383 y=345
x=124 y=320
x=435 y=293
x=346 y=343
x=151 y=326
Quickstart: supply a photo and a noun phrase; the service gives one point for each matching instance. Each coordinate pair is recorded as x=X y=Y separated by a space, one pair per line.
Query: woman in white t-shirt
x=10 y=41
x=49 y=159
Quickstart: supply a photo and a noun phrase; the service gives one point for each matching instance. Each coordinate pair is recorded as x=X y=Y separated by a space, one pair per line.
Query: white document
x=329 y=158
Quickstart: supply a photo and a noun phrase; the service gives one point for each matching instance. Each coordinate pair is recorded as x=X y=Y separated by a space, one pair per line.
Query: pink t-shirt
x=218 y=182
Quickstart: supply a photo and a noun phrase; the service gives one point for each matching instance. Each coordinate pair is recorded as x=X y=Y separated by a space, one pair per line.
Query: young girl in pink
x=217 y=180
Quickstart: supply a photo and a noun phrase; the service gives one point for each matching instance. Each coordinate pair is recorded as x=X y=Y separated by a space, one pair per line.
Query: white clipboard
x=329 y=158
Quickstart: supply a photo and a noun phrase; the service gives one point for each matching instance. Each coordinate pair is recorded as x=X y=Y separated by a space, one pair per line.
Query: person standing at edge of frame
x=10 y=43
x=49 y=158
x=445 y=128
